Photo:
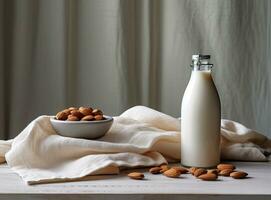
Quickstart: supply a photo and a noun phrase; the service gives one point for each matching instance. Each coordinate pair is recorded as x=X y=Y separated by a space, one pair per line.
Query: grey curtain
x=114 y=54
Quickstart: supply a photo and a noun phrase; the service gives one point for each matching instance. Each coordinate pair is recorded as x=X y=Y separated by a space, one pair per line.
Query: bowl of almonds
x=82 y=122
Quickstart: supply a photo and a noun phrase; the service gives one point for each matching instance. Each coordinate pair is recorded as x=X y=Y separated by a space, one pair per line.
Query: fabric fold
x=140 y=137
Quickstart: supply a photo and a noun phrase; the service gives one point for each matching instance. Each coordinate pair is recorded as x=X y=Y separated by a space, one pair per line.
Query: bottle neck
x=202 y=67
x=201 y=63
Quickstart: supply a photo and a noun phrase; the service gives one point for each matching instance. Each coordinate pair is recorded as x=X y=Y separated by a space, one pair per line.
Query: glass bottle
x=201 y=117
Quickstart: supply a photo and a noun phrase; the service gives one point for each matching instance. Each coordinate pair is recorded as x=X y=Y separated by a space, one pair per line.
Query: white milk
x=200 y=135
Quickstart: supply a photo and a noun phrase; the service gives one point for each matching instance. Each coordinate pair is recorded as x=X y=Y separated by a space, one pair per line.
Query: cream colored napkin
x=139 y=137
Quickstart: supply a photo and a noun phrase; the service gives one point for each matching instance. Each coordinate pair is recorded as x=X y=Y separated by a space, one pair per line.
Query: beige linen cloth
x=139 y=137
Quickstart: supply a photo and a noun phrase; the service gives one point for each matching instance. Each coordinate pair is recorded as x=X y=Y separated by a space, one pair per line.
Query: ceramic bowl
x=82 y=129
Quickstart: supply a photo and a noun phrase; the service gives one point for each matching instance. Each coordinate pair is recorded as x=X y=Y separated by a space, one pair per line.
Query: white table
x=257 y=186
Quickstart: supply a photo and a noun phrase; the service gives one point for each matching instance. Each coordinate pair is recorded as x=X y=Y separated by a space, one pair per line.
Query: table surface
x=258 y=183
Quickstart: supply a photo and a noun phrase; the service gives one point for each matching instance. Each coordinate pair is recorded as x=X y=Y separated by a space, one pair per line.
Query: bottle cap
x=200 y=59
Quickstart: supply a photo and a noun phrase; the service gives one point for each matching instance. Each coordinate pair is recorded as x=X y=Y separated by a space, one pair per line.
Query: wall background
x=119 y=53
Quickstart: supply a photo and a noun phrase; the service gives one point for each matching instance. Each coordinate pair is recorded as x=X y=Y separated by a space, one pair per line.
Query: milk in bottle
x=200 y=125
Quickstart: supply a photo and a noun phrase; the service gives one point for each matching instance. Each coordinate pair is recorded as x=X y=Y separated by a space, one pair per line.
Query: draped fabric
x=119 y=53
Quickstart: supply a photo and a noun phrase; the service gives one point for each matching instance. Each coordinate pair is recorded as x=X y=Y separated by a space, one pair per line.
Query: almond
x=98 y=117
x=80 y=114
x=72 y=118
x=61 y=116
x=192 y=170
x=238 y=174
x=85 y=111
x=76 y=113
x=155 y=170
x=87 y=118
x=72 y=108
x=225 y=172
x=183 y=170
x=97 y=112
x=208 y=177
x=213 y=171
x=172 y=173
x=67 y=111
x=136 y=175
x=225 y=166
x=199 y=172
x=164 y=168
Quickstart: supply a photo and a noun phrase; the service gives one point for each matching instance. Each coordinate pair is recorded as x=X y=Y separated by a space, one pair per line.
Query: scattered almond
x=192 y=170
x=136 y=175
x=225 y=166
x=199 y=172
x=225 y=172
x=238 y=174
x=208 y=177
x=214 y=171
x=172 y=173
x=183 y=170
x=164 y=168
x=155 y=170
